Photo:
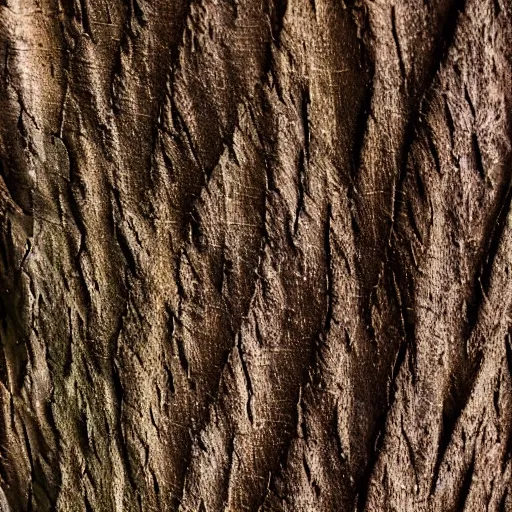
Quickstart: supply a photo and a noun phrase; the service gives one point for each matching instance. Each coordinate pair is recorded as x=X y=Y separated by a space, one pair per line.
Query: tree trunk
x=255 y=255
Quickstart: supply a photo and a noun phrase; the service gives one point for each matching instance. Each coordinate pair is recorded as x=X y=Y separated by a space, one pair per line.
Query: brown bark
x=255 y=255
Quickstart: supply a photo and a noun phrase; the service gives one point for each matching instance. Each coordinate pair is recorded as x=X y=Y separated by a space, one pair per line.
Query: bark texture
x=255 y=255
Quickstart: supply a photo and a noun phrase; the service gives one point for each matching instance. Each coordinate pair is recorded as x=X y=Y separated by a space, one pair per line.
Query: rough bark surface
x=256 y=255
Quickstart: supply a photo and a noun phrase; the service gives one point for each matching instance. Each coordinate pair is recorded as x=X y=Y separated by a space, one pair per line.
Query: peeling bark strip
x=256 y=255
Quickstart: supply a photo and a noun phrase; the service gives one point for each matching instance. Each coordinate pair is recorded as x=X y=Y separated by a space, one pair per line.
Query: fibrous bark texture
x=255 y=255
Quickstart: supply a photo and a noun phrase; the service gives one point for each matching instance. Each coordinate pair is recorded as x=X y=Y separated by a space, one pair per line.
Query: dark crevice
x=307 y=470
x=183 y=357
x=379 y=433
x=68 y=360
x=170 y=379
x=483 y=276
x=279 y=8
x=410 y=451
x=329 y=271
x=119 y=395
x=397 y=44
x=449 y=122
x=450 y=416
x=507 y=455
x=463 y=494
x=126 y=251
x=87 y=504
x=85 y=19
x=342 y=458
x=301 y=186
x=361 y=126
x=478 y=156
x=446 y=36
x=433 y=149
x=412 y=217
x=180 y=126
x=496 y=397
x=502 y=506
x=467 y=97
x=231 y=451
x=306 y=102
x=508 y=349
x=247 y=376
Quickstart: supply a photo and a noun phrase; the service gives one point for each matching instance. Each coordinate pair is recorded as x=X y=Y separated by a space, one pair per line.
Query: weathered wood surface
x=255 y=255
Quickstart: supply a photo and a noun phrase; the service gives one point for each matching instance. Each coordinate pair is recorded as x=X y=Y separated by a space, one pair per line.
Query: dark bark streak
x=329 y=271
x=247 y=376
x=380 y=432
x=465 y=488
x=397 y=44
x=483 y=276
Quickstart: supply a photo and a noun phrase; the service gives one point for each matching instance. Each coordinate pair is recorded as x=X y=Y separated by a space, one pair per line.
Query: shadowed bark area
x=255 y=255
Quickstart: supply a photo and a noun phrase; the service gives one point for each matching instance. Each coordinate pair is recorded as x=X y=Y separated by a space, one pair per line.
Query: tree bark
x=255 y=255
